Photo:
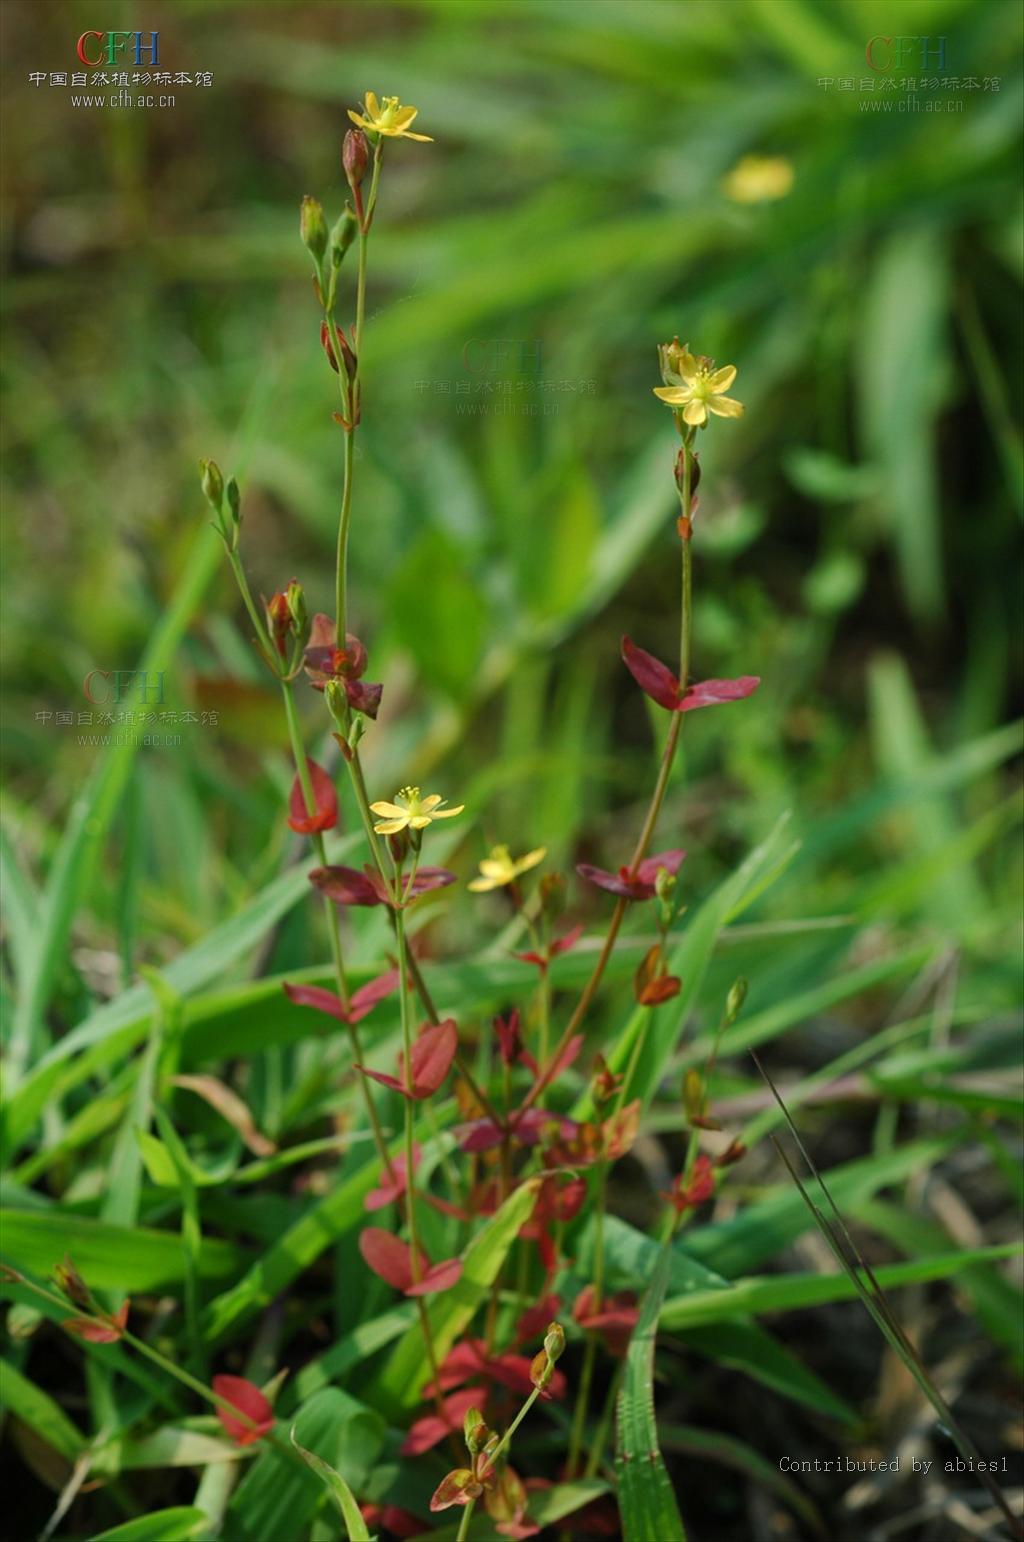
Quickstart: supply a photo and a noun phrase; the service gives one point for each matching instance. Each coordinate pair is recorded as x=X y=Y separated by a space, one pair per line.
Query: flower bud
x=342 y=236
x=693 y=1094
x=604 y=1083
x=355 y=156
x=71 y=1282
x=296 y=600
x=541 y=1370
x=734 y=1152
x=213 y=483
x=234 y=500
x=734 y=1002
x=475 y=1431
x=336 y=698
x=554 y=1341
x=313 y=228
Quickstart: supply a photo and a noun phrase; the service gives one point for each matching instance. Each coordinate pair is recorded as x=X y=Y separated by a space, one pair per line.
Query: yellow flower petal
x=688 y=368
x=722 y=379
x=372 y=106
x=358 y=119
x=530 y=860
x=390 y=826
x=389 y=810
x=423 y=138
x=498 y=871
x=419 y=821
x=430 y=802
x=695 y=413
x=481 y=885
x=447 y=813
x=724 y=406
x=676 y=396
x=404 y=116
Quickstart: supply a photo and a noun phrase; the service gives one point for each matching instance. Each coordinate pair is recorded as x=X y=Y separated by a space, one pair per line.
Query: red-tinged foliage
x=554 y=948
x=401 y=1523
x=107 y=1331
x=716 y=693
x=658 y=682
x=430 y=1062
x=392 y=1260
x=391 y=1189
x=614 y=1319
x=510 y=1042
x=638 y=884
x=688 y=1194
x=534 y=1321
x=470 y=1359
x=506 y=1505
x=361 y=1003
x=653 y=677
x=557 y=1202
x=525 y=1129
x=325 y=661
x=325 y=815
x=733 y=1153
x=432 y=1428
x=456 y=1488
x=348 y=886
x=249 y=1400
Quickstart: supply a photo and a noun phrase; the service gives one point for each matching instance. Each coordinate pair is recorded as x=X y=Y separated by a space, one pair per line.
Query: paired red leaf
x=258 y=1417
x=108 y=1331
x=432 y=1428
x=638 y=884
x=430 y=1062
x=392 y=1260
x=470 y=1359
x=348 y=886
x=554 y=948
x=700 y=1187
x=325 y=814
x=361 y=1002
x=658 y=682
x=614 y=1319
x=526 y=1130
x=391 y=1189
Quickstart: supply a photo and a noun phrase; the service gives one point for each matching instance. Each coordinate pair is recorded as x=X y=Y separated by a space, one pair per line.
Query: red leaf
x=457 y=1488
x=106 y=1332
x=671 y=861
x=319 y=999
x=391 y=1189
x=432 y=1057
x=657 y=991
x=714 y=693
x=439 y=1277
x=653 y=677
x=401 y=1522
x=345 y=886
x=535 y=1319
x=388 y=1256
x=563 y=944
x=432 y=1429
x=249 y=1400
x=509 y=1042
x=367 y=996
x=325 y=816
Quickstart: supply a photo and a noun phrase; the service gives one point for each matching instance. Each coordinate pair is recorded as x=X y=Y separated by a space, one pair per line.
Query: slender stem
x=467 y=1513
x=586 y=1375
x=600 y=1439
x=517 y=1421
x=344 y=520
x=262 y=636
x=654 y=808
x=333 y=925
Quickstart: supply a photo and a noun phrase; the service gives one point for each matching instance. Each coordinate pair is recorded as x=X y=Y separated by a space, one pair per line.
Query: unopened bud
x=313 y=228
x=475 y=1431
x=342 y=236
x=296 y=600
x=541 y=1370
x=234 y=500
x=604 y=1083
x=355 y=156
x=693 y=1094
x=213 y=483
x=734 y=1002
x=71 y=1283
x=554 y=1341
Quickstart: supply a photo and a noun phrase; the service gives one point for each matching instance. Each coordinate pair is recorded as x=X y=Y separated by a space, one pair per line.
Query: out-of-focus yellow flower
x=696 y=386
x=759 y=179
x=390 y=118
x=410 y=811
x=500 y=868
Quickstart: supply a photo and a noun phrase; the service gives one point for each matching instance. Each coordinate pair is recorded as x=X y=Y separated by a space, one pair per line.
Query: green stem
x=467 y=1513
x=517 y=1421
x=600 y=1439
x=590 y=1354
x=262 y=636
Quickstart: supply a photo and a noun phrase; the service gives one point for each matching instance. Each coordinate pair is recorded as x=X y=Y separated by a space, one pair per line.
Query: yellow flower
x=501 y=868
x=758 y=179
x=410 y=811
x=391 y=119
x=696 y=386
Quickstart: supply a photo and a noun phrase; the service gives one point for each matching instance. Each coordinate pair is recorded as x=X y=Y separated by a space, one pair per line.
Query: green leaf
x=399 y=1385
x=38 y=1410
x=338 y=1489
x=118 y=1258
x=182 y=1524
x=647 y=1501
x=787 y=1292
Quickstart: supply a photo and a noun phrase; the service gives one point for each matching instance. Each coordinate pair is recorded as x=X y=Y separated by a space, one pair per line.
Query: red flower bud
x=355 y=156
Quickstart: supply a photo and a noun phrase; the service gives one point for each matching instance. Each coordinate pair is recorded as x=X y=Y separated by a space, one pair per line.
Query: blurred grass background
x=859 y=527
